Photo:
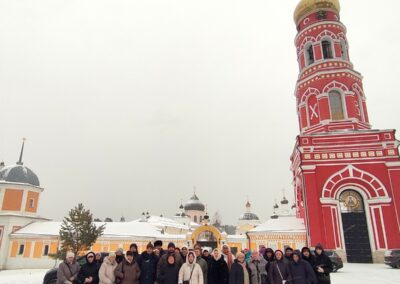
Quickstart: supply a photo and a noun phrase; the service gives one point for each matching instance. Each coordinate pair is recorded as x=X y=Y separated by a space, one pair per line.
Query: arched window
x=336 y=105
x=195 y=219
x=343 y=48
x=309 y=53
x=327 y=49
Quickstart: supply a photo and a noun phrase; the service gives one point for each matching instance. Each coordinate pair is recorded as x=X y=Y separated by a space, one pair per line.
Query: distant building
x=284 y=228
x=195 y=209
x=19 y=200
x=247 y=221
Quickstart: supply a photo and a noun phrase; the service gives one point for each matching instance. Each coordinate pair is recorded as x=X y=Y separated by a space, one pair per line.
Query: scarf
x=245 y=273
x=229 y=260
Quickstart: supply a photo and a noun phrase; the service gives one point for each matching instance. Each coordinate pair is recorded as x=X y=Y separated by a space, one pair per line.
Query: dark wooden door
x=355 y=228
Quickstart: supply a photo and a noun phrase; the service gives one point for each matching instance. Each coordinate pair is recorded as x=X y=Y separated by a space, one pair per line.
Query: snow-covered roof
x=282 y=224
x=112 y=229
x=194 y=225
x=162 y=222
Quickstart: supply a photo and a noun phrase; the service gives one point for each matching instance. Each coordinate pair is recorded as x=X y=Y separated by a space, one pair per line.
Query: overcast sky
x=127 y=105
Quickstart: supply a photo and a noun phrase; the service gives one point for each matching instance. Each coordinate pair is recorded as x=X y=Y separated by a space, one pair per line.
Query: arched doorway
x=355 y=228
x=207 y=239
x=207 y=236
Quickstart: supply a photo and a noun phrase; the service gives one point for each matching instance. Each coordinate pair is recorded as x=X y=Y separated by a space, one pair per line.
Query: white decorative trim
x=335 y=85
x=319 y=24
x=327 y=34
x=379 y=200
x=320 y=73
x=308 y=168
x=350 y=169
x=392 y=164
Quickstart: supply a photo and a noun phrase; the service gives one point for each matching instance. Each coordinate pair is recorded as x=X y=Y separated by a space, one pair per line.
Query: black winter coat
x=325 y=263
x=218 y=272
x=301 y=272
x=276 y=269
x=87 y=270
x=168 y=274
x=309 y=259
x=148 y=267
x=236 y=274
x=269 y=260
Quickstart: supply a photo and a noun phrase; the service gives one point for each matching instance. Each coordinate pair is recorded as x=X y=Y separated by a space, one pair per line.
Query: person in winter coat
x=190 y=271
x=168 y=274
x=218 y=272
x=158 y=246
x=288 y=254
x=107 y=268
x=206 y=256
x=257 y=267
x=228 y=256
x=89 y=272
x=239 y=273
x=147 y=262
x=322 y=265
x=119 y=255
x=203 y=264
x=134 y=249
x=68 y=270
x=269 y=256
x=262 y=250
x=247 y=254
x=128 y=270
x=301 y=271
x=184 y=252
x=99 y=258
x=279 y=269
x=307 y=256
x=163 y=259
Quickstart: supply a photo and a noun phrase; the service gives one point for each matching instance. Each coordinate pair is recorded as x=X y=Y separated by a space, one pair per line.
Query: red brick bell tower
x=346 y=175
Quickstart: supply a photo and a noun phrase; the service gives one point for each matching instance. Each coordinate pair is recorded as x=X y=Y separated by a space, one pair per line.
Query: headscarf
x=194 y=258
x=283 y=256
x=229 y=257
x=219 y=254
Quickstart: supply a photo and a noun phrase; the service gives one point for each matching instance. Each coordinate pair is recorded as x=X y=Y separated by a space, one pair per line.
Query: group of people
x=198 y=266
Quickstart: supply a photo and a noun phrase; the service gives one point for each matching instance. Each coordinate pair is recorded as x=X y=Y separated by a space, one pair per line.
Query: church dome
x=194 y=204
x=19 y=174
x=249 y=216
x=307 y=6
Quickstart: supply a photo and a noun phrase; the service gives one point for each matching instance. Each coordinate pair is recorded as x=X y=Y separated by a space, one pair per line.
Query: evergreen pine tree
x=78 y=232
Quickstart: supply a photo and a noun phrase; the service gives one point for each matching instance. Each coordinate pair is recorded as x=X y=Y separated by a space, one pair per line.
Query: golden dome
x=306 y=6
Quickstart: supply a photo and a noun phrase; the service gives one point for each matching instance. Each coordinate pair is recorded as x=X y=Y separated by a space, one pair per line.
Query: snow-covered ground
x=350 y=274
x=365 y=273
x=22 y=276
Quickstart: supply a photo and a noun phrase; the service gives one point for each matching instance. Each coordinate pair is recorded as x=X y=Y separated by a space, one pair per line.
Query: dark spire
x=22 y=152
